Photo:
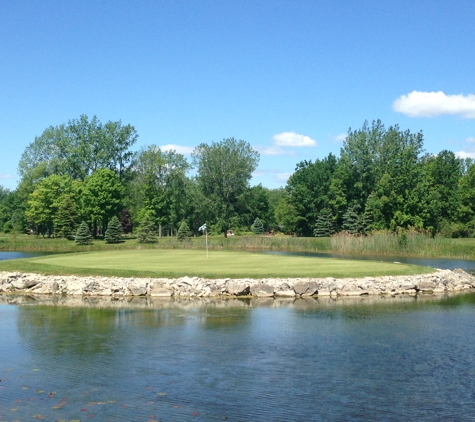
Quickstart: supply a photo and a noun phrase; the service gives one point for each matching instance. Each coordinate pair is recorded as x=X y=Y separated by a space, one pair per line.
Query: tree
x=66 y=219
x=114 y=231
x=83 y=234
x=324 y=226
x=184 y=232
x=80 y=147
x=101 y=198
x=224 y=171
x=147 y=230
x=258 y=227
x=126 y=221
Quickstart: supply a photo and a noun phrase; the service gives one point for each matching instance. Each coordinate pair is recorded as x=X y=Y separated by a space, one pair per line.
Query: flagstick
x=206 y=231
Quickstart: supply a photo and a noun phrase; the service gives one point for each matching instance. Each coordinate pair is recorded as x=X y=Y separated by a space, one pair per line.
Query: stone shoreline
x=441 y=281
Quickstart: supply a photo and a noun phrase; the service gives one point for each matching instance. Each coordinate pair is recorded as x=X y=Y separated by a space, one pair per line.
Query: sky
x=288 y=77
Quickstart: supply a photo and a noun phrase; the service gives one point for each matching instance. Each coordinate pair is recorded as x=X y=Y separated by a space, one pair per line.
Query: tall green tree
x=80 y=147
x=224 y=171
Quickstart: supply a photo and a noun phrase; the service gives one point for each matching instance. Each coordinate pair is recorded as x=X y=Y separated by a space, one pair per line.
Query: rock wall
x=440 y=281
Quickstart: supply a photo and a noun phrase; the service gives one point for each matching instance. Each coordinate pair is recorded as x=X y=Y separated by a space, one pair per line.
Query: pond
x=356 y=359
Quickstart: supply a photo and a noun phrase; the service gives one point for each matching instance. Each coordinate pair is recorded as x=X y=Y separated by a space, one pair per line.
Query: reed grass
x=409 y=243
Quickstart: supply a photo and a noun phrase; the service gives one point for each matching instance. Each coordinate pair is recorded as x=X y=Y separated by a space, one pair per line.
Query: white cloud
x=431 y=104
x=273 y=150
x=340 y=138
x=6 y=176
x=470 y=140
x=180 y=149
x=292 y=139
x=464 y=154
x=259 y=173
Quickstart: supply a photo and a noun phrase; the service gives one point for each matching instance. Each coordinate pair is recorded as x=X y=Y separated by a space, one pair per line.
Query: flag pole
x=206 y=231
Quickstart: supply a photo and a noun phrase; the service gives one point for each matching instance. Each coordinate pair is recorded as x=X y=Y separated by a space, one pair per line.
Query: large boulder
x=306 y=288
x=262 y=290
x=238 y=288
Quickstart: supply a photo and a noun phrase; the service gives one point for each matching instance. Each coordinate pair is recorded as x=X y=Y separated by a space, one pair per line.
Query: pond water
x=17 y=255
x=356 y=359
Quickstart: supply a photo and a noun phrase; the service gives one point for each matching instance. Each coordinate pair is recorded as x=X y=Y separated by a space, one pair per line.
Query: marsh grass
x=408 y=243
x=379 y=243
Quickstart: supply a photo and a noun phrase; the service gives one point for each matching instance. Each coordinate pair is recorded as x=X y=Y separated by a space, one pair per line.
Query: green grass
x=220 y=264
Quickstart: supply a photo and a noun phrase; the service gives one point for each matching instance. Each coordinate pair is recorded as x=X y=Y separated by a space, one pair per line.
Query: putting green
x=220 y=264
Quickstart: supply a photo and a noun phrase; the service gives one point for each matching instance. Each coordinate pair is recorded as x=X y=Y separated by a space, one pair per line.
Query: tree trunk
x=160 y=230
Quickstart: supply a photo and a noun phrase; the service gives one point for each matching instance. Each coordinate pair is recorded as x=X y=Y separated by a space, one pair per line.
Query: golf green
x=219 y=264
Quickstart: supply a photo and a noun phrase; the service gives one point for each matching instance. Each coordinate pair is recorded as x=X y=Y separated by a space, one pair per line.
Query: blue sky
x=289 y=77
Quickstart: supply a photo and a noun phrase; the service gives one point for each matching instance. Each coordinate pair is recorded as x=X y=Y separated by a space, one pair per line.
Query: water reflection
x=357 y=358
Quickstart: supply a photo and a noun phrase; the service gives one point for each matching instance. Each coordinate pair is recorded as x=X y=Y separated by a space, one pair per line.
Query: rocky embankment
x=440 y=281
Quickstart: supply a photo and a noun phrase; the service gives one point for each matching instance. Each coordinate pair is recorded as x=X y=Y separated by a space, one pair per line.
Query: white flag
x=203 y=227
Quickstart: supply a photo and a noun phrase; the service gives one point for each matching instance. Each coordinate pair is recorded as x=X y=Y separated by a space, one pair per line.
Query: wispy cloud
x=273 y=150
x=180 y=149
x=292 y=139
x=465 y=154
x=6 y=176
x=470 y=140
x=431 y=104
x=340 y=138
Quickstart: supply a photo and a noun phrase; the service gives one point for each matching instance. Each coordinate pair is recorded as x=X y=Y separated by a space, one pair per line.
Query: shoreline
x=440 y=281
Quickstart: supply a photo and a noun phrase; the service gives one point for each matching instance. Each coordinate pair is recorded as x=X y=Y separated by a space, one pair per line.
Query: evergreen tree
x=147 y=230
x=324 y=226
x=83 y=235
x=351 y=220
x=184 y=232
x=257 y=226
x=114 y=231
x=66 y=219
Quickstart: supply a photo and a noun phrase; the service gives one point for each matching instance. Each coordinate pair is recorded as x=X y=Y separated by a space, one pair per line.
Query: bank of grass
x=220 y=264
x=380 y=243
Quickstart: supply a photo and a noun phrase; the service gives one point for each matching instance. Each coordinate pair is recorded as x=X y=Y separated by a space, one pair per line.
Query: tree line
x=86 y=171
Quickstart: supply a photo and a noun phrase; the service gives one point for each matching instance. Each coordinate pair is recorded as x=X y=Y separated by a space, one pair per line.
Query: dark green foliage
x=184 y=232
x=66 y=219
x=351 y=221
x=147 y=232
x=83 y=234
x=114 y=231
x=325 y=225
x=258 y=227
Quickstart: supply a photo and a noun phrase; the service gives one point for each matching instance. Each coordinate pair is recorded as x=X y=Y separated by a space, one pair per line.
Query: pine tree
x=184 y=232
x=114 y=231
x=147 y=230
x=257 y=227
x=351 y=221
x=66 y=219
x=324 y=226
x=83 y=234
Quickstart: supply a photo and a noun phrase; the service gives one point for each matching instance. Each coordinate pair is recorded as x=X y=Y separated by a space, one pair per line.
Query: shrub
x=147 y=232
x=184 y=232
x=257 y=227
x=83 y=234
x=114 y=231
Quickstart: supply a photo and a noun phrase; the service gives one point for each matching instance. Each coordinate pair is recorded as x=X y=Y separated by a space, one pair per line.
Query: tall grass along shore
x=379 y=243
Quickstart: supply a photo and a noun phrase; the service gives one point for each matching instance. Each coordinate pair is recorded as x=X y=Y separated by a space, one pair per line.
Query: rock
x=138 y=288
x=284 y=293
x=262 y=290
x=427 y=285
x=306 y=288
x=238 y=288
x=162 y=290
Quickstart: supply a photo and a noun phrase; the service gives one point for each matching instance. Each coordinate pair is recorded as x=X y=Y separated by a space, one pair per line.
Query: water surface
x=359 y=359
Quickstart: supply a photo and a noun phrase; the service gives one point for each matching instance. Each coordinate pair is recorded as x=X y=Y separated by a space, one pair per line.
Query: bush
x=83 y=235
x=147 y=230
x=184 y=232
x=257 y=227
x=114 y=231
